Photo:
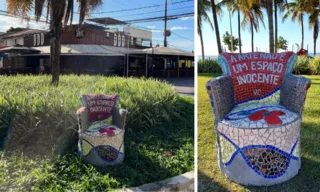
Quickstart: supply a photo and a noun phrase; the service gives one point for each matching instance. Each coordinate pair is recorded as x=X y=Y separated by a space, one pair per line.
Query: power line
x=123 y=10
x=181 y=1
x=154 y=12
x=171 y=17
x=183 y=37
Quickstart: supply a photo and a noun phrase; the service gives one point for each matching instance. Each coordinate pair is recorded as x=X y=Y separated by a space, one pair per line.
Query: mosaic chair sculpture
x=257 y=106
x=101 y=130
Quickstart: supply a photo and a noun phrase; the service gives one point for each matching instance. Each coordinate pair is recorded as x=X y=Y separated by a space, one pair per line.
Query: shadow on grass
x=145 y=151
x=205 y=183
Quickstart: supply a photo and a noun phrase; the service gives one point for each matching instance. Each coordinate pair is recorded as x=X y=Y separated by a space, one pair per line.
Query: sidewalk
x=184 y=86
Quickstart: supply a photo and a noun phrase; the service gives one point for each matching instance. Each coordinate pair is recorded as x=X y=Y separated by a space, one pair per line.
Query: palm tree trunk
x=201 y=40
x=252 y=40
x=231 y=36
x=239 y=31
x=216 y=27
x=315 y=36
x=302 y=30
x=276 y=26
x=56 y=14
x=270 y=26
x=55 y=52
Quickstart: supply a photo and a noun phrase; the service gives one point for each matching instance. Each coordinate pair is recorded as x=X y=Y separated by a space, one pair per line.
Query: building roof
x=82 y=49
x=20 y=33
x=164 y=51
x=107 y=21
x=21 y=50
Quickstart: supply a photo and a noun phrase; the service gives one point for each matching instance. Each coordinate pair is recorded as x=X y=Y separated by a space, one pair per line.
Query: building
x=96 y=49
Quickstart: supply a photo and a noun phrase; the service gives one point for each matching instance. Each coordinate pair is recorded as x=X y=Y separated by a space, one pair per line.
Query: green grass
x=209 y=175
x=159 y=121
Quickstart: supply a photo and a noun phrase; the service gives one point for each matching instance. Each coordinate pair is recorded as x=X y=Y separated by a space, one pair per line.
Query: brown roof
x=23 y=32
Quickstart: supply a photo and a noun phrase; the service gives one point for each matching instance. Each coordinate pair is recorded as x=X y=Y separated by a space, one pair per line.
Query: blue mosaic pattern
x=115 y=153
x=270 y=147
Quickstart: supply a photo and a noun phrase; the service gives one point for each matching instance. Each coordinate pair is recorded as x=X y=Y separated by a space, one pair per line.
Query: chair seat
x=104 y=130
x=258 y=115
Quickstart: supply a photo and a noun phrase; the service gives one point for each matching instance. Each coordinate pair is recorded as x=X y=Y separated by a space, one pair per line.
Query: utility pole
x=165 y=24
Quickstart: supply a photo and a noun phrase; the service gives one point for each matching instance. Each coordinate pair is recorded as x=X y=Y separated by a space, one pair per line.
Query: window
x=115 y=40
x=34 y=40
x=119 y=40
x=123 y=40
x=42 y=38
x=108 y=35
x=131 y=40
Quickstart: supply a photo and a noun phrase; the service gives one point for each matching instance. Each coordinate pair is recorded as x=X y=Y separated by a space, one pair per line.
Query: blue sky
x=182 y=28
x=291 y=31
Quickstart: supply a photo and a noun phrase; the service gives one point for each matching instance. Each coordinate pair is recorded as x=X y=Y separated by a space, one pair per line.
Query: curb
x=183 y=182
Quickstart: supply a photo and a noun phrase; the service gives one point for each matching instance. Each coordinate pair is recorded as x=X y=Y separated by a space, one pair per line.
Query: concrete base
x=184 y=182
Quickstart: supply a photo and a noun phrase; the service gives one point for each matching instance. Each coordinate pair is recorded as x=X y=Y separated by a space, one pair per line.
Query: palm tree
x=203 y=7
x=216 y=27
x=233 y=6
x=297 y=12
x=252 y=15
x=314 y=20
x=281 y=4
x=269 y=8
x=60 y=11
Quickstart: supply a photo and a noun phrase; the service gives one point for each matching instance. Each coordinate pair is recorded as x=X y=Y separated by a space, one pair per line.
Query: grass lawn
x=209 y=175
x=158 y=139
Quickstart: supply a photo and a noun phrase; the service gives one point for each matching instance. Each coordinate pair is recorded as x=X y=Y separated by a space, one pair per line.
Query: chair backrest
x=100 y=107
x=257 y=75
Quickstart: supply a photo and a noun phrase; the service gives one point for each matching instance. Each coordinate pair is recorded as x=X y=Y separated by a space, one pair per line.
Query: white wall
x=138 y=33
x=12 y=42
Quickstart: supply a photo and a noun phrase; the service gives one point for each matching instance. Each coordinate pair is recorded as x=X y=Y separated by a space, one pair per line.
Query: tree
x=281 y=4
x=314 y=20
x=269 y=8
x=227 y=41
x=282 y=43
x=203 y=7
x=234 y=6
x=60 y=11
x=296 y=10
x=216 y=27
x=252 y=16
x=15 y=29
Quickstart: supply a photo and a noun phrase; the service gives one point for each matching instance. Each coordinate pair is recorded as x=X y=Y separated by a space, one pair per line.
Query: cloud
x=186 y=18
x=7 y=22
x=178 y=28
x=151 y=27
x=156 y=31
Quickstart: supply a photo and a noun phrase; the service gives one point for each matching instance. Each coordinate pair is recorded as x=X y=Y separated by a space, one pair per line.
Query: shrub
x=209 y=66
x=46 y=120
x=302 y=65
x=315 y=65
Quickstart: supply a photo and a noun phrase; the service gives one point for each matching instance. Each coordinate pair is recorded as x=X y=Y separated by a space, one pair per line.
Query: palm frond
x=19 y=7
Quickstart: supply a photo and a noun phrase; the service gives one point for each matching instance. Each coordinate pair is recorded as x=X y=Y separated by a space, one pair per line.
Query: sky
x=182 y=36
x=291 y=31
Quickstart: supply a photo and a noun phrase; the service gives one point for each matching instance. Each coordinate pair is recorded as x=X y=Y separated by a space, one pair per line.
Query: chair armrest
x=119 y=118
x=82 y=116
x=293 y=92
x=221 y=95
